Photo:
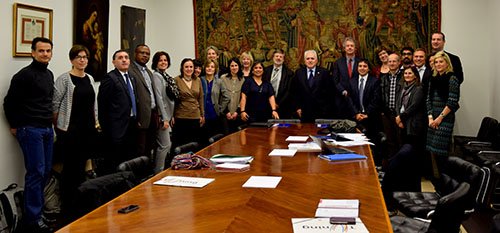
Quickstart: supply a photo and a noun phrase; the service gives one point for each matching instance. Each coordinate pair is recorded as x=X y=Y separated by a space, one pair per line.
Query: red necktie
x=349 y=67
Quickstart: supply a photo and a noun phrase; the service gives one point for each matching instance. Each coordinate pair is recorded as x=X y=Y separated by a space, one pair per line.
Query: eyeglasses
x=81 y=57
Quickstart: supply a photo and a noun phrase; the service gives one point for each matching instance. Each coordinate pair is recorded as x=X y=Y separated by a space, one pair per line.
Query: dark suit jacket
x=114 y=104
x=285 y=90
x=426 y=79
x=314 y=101
x=341 y=81
x=414 y=117
x=142 y=95
x=457 y=67
x=371 y=96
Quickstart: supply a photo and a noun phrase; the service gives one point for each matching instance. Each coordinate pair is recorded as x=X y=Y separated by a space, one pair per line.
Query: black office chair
x=188 y=147
x=215 y=138
x=447 y=217
x=140 y=166
x=486 y=131
x=453 y=171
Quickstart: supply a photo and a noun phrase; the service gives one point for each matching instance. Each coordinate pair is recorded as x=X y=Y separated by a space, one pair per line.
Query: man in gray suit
x=146 y=108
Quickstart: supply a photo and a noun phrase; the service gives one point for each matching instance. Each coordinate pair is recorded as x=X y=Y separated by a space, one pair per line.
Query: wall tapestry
x=91 y=30
x=260 y=26
x=133 y=26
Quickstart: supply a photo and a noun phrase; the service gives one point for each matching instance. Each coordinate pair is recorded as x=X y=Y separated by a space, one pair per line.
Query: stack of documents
x=305 y=147
x=283 y=152
x=222 y=158
x=232 y=167
x=356 y=139
x=337 y=208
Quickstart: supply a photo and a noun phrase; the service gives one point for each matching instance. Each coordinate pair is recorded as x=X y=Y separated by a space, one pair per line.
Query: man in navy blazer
x=343 y=70
x=117 y=111
x=281 y=79
x=313 y=90
x=437 y=43
x=365 y=111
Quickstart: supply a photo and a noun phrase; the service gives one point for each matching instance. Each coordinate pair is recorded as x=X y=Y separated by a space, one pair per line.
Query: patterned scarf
x=171 y=87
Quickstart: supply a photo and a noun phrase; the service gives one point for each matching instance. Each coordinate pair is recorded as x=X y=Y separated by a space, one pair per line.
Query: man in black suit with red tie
x=437 y=43
x=281 y=79
x=312 y=90
x=118 y=111
x=343 y=70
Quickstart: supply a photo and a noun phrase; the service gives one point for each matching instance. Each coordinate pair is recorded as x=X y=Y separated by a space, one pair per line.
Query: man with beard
x=406 y=57
x=281 y=79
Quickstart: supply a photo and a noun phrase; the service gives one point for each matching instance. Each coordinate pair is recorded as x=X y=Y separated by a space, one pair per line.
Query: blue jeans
x=36 y=144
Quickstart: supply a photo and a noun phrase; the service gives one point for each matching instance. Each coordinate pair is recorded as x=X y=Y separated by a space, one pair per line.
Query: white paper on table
x=235 y=166
x=283 y=152
x=339 y=203
x=305 y=147
x=182 y=181
x=354 y=136
x=297 y=138
x=349 y=143
x=333 y=212
x=323 y=225
x=262 y=182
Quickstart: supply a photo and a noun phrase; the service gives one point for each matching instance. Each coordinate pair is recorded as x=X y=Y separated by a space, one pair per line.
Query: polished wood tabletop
x=225 y=206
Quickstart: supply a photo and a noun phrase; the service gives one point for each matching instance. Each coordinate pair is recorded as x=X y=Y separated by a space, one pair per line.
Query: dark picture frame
x=91 y=30
x=133 y=28
x=29 y=22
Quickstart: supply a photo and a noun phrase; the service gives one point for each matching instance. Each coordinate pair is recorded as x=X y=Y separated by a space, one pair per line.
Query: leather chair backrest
x=487 y=129
x=188 y=147
x=140 y=166
x=450 y=210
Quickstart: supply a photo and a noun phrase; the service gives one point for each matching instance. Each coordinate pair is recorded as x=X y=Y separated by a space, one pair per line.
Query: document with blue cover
x=336 y=157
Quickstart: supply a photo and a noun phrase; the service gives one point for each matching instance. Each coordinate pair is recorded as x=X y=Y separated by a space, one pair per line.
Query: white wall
x=169 y=27
x=494 y=67
x=466 y=38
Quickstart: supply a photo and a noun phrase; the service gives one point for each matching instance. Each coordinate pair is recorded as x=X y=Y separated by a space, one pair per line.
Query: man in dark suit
x=146 y=108
x=312 y=90
x=117 y=111
x=365 y=99
x=424 y=72
x=437 y=43
x=281 y=79
x=343 y=69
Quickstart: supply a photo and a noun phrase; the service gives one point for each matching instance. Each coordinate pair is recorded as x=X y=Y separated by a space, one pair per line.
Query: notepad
x=182 y=181
x=223 y=158
x=232 y=167
x=262 y=182
x=283 y=152
x=323 y=225
x=297 y=138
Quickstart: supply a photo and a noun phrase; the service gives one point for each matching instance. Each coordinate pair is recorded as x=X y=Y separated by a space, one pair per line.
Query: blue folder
x=342 y=157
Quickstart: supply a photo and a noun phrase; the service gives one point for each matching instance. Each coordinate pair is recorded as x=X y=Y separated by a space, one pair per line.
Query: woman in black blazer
x=411 y=111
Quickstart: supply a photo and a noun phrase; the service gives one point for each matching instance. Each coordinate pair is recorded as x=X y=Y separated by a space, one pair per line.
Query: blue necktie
x=311 y=78
x=132 y=96
x=361 y=89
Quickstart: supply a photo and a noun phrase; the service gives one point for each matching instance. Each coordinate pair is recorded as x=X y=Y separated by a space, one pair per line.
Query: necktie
x=274 y=81
x=361 y=89
x=349 y=67
x=311 y=77
x=132 y=96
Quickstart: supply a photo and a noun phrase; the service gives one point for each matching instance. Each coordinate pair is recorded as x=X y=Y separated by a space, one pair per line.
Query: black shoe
x=47 y=219
x=39 y=227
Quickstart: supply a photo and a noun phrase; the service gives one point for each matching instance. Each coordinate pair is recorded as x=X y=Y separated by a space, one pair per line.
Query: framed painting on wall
x=29 y=22
x=91 y=29
x=133 y=28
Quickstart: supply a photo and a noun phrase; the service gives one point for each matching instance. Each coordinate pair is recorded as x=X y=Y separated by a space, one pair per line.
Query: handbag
x=190 y=161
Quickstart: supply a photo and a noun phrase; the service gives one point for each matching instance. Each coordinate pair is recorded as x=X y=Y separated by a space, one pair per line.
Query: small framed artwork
x=29 y=22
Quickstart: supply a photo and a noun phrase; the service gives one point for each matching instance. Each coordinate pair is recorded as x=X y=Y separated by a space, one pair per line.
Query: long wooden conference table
x=225 y=206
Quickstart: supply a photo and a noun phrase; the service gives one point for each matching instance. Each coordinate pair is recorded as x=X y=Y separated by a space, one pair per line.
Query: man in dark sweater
x=28 y=108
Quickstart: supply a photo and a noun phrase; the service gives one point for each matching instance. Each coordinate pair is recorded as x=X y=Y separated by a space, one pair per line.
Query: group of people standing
x=140 y=110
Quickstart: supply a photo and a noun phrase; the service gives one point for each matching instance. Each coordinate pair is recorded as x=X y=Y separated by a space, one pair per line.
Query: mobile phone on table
x=342 y=220
x=128 y=209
